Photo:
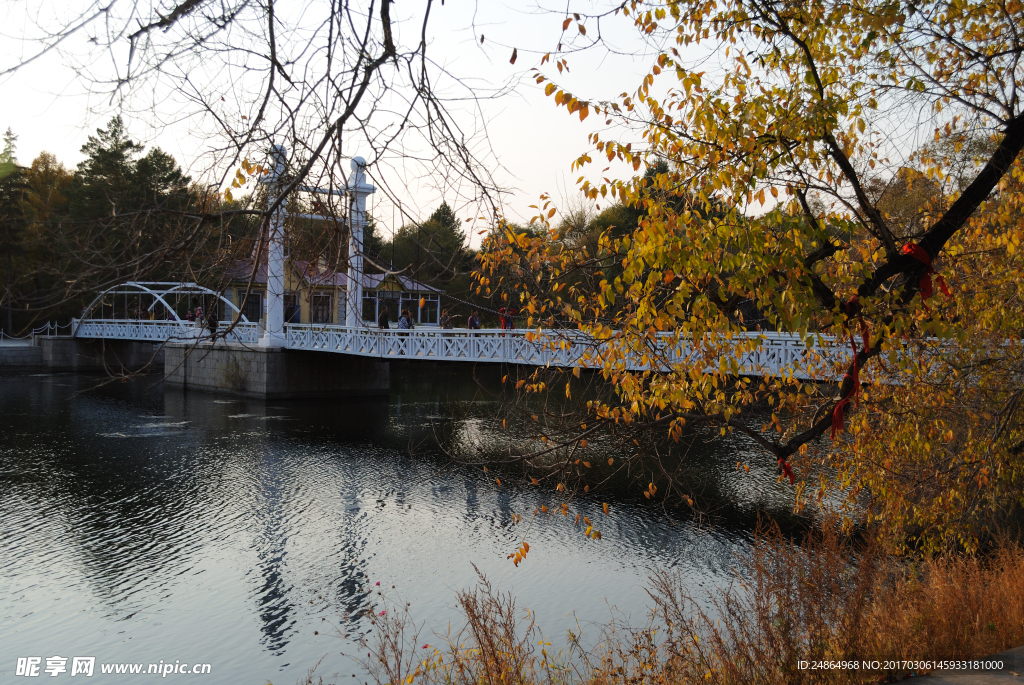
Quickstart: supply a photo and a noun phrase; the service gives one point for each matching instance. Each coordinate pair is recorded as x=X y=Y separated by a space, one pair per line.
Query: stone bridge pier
x=273 y=372
x=67 y=353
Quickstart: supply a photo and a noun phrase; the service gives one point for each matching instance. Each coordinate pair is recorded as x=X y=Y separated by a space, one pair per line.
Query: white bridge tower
x=273 y=335
x=357 y=191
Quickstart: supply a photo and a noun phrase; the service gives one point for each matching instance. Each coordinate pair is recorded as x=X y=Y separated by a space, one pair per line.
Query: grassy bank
x=825 y=598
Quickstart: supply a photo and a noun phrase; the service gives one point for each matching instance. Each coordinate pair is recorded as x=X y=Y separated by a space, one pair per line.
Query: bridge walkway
x=772 y=354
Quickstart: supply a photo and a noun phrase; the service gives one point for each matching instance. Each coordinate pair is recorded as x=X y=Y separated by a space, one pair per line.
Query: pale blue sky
x=50 y=107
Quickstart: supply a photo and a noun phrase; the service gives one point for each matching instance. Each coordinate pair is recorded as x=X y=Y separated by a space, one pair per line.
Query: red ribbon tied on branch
x=786 y=469
x=925 y=284
x=837 y=413
x=925 y=287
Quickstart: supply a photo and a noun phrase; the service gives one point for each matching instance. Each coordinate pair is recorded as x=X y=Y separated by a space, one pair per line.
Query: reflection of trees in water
x=272 y=598
x=144 y=512
x=482 y=421
x=472 y=498
x=109 y=499
x=141 y=513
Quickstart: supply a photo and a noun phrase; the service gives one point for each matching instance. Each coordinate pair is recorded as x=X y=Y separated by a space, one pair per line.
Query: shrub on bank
x=825 y=598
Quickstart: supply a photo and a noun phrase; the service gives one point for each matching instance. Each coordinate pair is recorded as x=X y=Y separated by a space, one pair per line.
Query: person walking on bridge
x=405 y=322
x=382 y=320
x=211 y=323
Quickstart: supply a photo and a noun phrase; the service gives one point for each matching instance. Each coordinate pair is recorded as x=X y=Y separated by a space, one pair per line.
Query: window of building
x=292 y=311
x=369 y=307
x=251 y=306
x=429 y=312
x=320 y=307
x=342 y=308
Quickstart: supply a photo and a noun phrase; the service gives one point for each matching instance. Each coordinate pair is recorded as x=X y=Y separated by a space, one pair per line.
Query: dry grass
x=824 y=598
x=961 y=607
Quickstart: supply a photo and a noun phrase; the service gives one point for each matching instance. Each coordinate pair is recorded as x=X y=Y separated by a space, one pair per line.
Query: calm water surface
x=140 y=524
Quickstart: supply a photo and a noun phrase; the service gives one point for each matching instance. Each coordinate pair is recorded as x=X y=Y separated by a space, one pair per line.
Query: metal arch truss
x=747 y=354
x=158 y=290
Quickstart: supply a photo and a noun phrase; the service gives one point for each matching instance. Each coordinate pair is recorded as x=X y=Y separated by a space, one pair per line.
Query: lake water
x=139 y=524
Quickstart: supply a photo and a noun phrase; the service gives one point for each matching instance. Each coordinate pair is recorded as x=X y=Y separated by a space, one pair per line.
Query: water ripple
x=138 y=525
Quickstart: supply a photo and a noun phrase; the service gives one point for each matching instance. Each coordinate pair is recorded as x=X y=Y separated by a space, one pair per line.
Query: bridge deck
x=771 y=354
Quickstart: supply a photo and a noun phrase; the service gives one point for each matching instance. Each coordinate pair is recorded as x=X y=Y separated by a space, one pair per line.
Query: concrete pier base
x=21 y=356
x=64 y=353
x=273 y=372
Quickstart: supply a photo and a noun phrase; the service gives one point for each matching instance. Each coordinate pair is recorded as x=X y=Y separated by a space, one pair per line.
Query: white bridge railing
x=766 y=354
x=160 y=331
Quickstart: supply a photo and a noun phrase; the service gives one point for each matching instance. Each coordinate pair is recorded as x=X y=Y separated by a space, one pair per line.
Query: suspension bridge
x=773 y=354
x=272 y=358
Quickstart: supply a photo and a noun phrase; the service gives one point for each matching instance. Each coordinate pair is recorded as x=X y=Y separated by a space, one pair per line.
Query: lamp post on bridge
x=273 y=334
x=358 y=190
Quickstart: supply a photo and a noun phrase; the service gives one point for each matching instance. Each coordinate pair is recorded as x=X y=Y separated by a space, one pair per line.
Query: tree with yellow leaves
x=799 y=191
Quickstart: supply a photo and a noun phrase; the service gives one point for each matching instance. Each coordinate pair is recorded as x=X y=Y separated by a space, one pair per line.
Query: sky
x=50 y=105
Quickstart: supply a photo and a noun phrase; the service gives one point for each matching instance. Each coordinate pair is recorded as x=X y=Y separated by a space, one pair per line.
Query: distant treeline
x=128 y=213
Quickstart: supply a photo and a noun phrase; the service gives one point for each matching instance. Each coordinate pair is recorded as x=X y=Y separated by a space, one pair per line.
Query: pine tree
x=9 y=154
x=12 y=219
x=433 y=251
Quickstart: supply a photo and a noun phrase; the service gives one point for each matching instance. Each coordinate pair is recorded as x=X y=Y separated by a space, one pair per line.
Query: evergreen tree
x=12 y=220
x=116 y=203
x=447 y=223
x=433 y=251
x=8 y=157
x=161 y=182
x=374 y=246
x=113 y=179
x=103 y=183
